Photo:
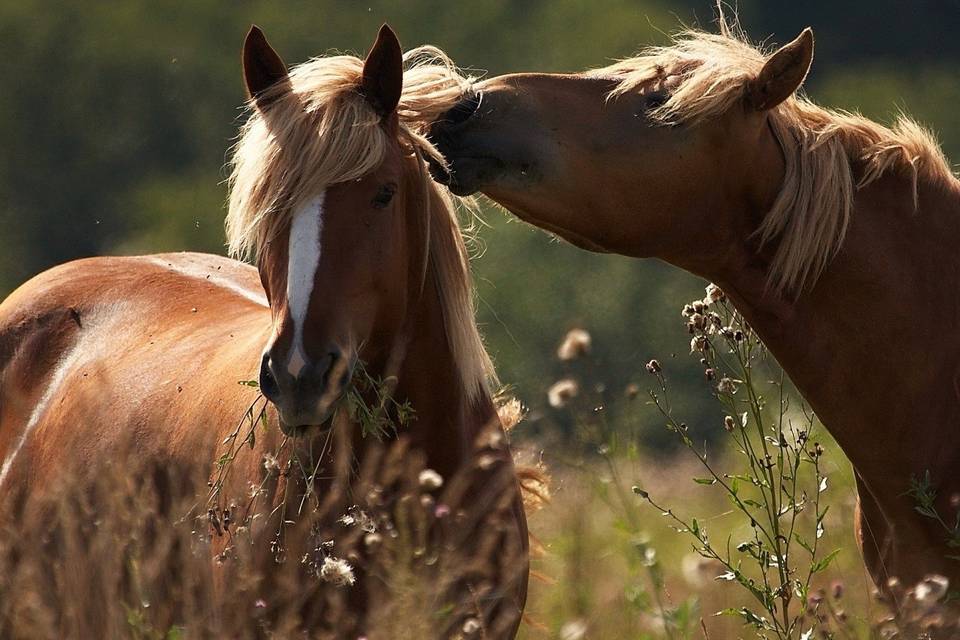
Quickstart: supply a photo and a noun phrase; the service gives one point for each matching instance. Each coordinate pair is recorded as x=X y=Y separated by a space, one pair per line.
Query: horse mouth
x=304 y=424
x=304 y=430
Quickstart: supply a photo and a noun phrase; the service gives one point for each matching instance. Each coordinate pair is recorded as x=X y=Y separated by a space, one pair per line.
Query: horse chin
x=300 y=426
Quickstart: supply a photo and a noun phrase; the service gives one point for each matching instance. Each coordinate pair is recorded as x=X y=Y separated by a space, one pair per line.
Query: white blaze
x=303 y=258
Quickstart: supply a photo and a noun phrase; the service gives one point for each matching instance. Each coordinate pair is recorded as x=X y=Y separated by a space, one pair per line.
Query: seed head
x=471 y=626
x=575 y=344
x=270 y=462
x=562 y=392
x=654 y=366
x=430 y=480
x=337 y=572
x=726 y=385
x=698 y=344
x=714 y=294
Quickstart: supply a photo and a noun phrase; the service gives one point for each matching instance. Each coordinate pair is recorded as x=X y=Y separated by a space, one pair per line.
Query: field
x=677 y=484
x=624 y=544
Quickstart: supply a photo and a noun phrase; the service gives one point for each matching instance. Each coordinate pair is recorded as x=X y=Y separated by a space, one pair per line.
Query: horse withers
x=836 y=238
x=361 y=275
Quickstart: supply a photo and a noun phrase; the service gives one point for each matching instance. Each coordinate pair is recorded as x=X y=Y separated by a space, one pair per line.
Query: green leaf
x=705 y=480
x=823 y=563
x=249 y=383
x=803 y=543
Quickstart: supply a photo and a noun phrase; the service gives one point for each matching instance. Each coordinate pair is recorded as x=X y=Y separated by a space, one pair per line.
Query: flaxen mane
x=323 y=132
x=829 y=154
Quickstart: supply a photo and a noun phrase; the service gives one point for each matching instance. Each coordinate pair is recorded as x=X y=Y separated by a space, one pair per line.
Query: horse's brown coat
x=692 y=177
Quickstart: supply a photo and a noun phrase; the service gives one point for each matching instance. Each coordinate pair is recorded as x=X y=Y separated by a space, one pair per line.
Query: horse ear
x=783 y=73
x=262 y=67
x=382 y=80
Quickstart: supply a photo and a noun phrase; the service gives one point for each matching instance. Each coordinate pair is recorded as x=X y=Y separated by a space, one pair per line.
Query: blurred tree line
x=115 y=120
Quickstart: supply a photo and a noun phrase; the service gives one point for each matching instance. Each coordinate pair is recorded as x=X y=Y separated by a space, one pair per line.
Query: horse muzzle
x=308 y=398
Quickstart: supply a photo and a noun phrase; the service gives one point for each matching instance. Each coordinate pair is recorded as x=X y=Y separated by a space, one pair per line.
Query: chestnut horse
x=836 y=237
x=360 y=259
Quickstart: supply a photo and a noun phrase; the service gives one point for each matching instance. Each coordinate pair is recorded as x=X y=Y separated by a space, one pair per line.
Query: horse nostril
x=268 y=383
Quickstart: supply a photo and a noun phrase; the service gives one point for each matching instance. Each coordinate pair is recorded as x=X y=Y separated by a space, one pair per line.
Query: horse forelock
x=829 y=154
x=323 y=132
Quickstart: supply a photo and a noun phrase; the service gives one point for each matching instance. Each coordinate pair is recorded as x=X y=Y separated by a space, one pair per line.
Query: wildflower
x=837 y=589
x=649 y=557
x=430 y=480
x=270 y=462
x=729 y=424
x=709 y=373
x=511 y=413
x=372 y=539
x=470 y=626
x=441 y=511
x=573 y=630
x=726 y=385
x=562 y=392
x=347 y=520
x=654 y=367
x=260 y=603
x=486 y=462
x=576 y=343
x=687 y=311
x=714 y=294
x=337 y=572
x=698 y=343
x=930 y=590
x=697 y=322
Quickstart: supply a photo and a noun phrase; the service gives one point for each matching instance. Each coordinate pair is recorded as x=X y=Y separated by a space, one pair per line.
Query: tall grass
x=745 y=533
x=402 y=553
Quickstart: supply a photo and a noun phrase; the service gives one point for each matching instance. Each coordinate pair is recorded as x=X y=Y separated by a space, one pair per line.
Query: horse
x=834 y=236
x=360 y=266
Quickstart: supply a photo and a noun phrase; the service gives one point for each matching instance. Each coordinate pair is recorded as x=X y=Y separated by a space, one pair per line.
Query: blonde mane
x=324 y=132
x=829 y=154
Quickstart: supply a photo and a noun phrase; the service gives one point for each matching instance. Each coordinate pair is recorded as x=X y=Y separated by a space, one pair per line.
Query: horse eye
x=384 y=196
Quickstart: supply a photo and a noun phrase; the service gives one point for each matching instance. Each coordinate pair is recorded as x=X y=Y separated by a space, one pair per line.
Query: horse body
x=869 y=348
x=835 y=237
x=103 y=352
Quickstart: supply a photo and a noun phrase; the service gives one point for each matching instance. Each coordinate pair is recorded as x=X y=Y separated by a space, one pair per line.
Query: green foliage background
x=115 y=119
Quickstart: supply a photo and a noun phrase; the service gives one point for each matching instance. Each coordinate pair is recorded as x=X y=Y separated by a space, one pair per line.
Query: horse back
x=104 y=349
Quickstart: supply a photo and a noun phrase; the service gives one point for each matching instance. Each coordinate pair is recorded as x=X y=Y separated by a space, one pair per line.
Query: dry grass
x=396 y=556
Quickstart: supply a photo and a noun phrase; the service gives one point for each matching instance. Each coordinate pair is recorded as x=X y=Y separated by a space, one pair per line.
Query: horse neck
x=872 y=345
x=447 y=420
